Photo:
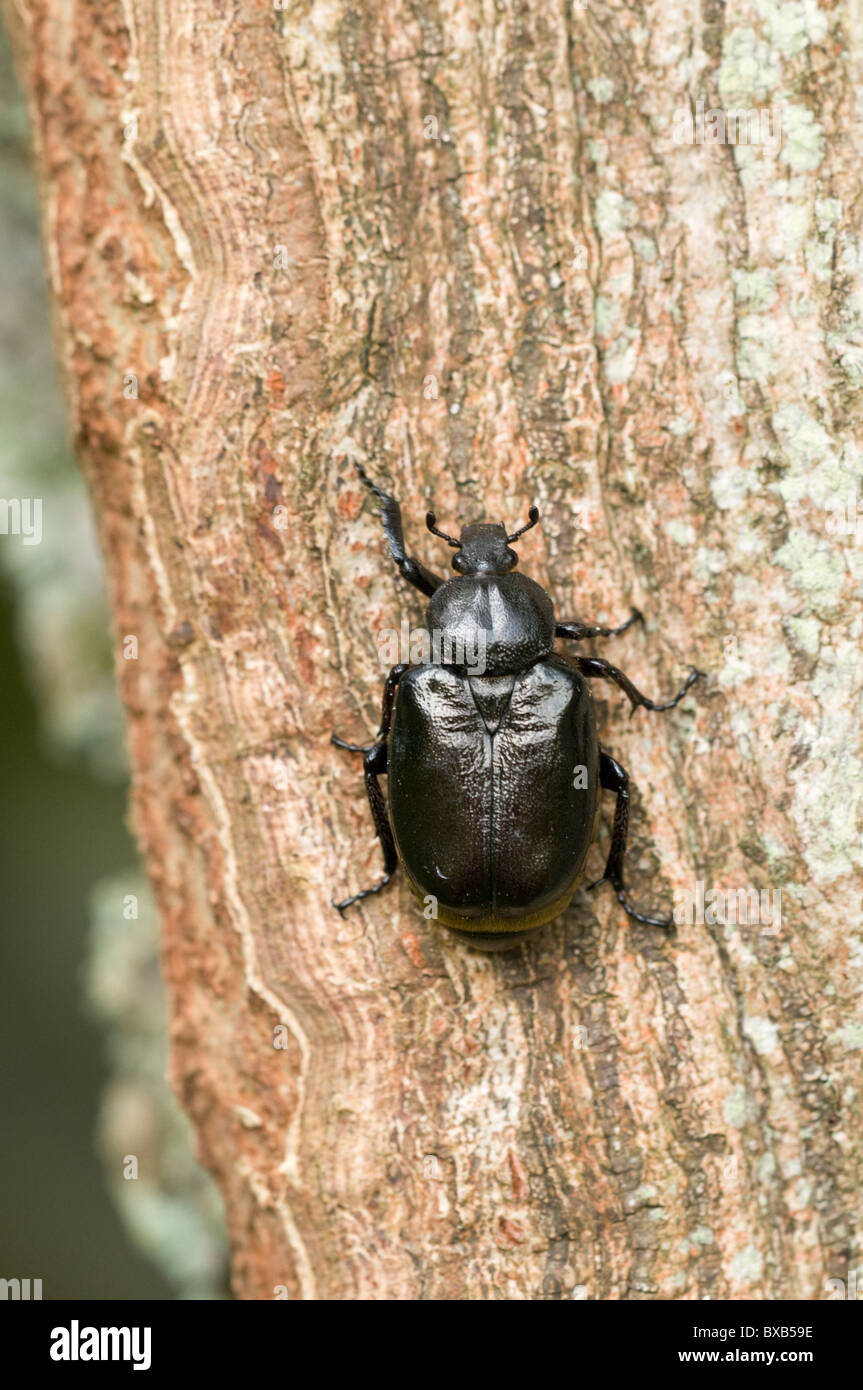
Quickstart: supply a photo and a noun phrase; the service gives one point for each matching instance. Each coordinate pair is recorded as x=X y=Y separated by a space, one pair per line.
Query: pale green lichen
x=750 y=166
x=804 y=439
x=645 y=247
x=641 y=1196
x=601 y=89
x=734 y=1108
x=606 y=313
x=778 y=854
x=845 y=341
x=731 y=486
x=681 y=532
x=793 y=24
x=747 y=69
x=709 y=563
x=745 y=1267
x=819 y=259
x=801 y=309
x=816 y=468
x=792 y=224
x=828 y=211
x=763 y=1035
x=807 y=634
x=748 y=589
x=622 y=356
x=803 y=1192
x=827 y=818
x=849 y=1037
x=777 y=658
x=735 y=671
x=847 y=355
x=755 y=290
x=755 y=354
x=802 y=139
x=765 y=1168
x=816 y=569
x=850 y=260
x=609 y=212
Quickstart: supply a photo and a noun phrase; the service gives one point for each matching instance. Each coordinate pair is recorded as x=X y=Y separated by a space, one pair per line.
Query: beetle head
x=483 y=547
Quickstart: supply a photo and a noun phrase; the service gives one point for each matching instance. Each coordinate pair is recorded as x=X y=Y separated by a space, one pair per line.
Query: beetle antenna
x=534 y=518
x=430 y=523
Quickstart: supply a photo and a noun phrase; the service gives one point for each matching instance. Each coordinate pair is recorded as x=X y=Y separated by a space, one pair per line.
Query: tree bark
x=460 y=243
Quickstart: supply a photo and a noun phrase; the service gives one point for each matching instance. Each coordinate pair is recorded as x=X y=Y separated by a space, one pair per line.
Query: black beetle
x=494 y=778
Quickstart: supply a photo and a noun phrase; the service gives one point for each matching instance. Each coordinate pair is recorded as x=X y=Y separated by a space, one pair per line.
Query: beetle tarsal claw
x=666 y=923
x=364 y=893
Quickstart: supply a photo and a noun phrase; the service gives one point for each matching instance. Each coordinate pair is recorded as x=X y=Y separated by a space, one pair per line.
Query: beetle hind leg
x=613 y=777
x=374 y=765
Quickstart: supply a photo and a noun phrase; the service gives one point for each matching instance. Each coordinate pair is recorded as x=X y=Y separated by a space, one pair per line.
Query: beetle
x=494 y=774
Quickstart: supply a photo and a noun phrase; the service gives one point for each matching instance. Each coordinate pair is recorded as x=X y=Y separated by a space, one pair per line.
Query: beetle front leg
x=391 y=515
x=374 y=766
x=595 y=666
x=614 y=778
x=577 y=632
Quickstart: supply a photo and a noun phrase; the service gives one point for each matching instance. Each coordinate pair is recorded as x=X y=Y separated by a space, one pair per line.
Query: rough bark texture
x=660 y=344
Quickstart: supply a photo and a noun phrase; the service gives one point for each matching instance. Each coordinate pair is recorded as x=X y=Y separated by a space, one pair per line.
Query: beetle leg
x=390 y=684
x=614 y=778
x=351 y=747
x=392 y=681
x=577 y=632
x=391 y=515
x=374 y=766
x=595 y=666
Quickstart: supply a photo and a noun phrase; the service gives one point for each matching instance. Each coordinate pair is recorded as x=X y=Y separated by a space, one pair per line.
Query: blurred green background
x=82 y=1012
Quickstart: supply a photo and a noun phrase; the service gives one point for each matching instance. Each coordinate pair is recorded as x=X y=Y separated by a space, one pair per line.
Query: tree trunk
x=470 y=246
